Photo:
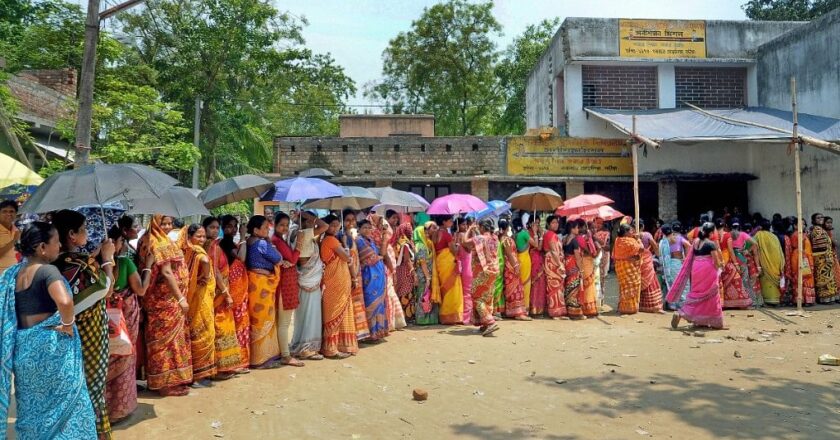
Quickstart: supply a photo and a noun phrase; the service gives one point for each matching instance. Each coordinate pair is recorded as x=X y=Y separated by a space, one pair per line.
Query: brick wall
x=620 y=87
x=389 y=158
x=668 y=200
x=711 y=87
x=61 y=80
x=38 y=103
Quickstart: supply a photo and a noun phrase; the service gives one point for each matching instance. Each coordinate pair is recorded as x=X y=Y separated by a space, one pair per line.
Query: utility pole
x=88 y=74
x=196 y=138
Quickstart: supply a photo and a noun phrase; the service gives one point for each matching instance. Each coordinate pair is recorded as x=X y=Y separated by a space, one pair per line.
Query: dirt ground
x=604 y=378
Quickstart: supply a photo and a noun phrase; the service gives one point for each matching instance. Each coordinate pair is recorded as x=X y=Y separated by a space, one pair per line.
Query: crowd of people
x=181 y=308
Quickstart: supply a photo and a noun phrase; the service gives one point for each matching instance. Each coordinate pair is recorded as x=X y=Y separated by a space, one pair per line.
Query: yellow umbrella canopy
x=12 y=172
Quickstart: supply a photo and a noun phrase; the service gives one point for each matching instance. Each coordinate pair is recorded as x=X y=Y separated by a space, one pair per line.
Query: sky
x=356 y=32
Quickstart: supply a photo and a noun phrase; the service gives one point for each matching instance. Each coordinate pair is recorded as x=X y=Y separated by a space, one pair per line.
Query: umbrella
x=177 y=202
x=535 y=198
x=494 y=208
x=454 y=204
x=581 y=204
x=17 y=192
x=604 y=212
x=299 y=189
x=401 y=201
x=316 y=172
x=97 y=184
x=12 y=171
x=353 y=197
x=96 y=229
x=234 y=189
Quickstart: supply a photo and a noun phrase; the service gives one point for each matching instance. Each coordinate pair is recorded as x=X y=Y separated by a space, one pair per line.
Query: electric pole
x=196 y=138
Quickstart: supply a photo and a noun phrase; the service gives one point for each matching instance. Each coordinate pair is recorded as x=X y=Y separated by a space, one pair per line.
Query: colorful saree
x=357 y=293
x=465 y=265
x=670 y=269
x=825 y=282
x=50 y=390
x=485 y=267
x=650 y=299
x=396 y=318
x=227 y=344
x=555 y=275
x=514 y=291
x=168 y=355
x=702 y=305
x=537 y=303
x=735 y=278
x=373 y=283
x=452 y=292
x=238 y=285
x=772 y=260
x=306 y=340
x=628 y=262
x=339 y=334
x=809 y=295
x=499 y=288
x=200 y=318
x=524 y=259
x=428 y=301
x=405 y=276
x=262 y=310
x=120 y=382
x=588 y=303
x=573 y=289
x=86 y=284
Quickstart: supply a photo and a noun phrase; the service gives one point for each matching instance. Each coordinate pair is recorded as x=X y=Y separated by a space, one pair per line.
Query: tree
x=444 y=66
x=793 y=10
x=512 y=71
x=43 y=35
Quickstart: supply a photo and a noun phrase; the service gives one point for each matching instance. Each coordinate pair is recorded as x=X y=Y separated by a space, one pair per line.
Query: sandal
x=290 y=361
x=242 y=371
x=524 y=318
x=315 y=357
x=223 y=376
x=340 y=355
x=490 y=330
x=271 y=365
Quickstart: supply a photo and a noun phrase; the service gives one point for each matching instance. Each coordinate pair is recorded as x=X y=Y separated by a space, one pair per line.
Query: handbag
x=119 y=342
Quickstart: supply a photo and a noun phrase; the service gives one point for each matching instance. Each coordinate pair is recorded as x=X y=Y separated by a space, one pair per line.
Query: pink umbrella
x=604 y=212
x=582 y=203
x=454 y=204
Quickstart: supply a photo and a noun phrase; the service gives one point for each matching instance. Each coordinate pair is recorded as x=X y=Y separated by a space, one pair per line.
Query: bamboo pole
x=635 y=152
x=798 y=175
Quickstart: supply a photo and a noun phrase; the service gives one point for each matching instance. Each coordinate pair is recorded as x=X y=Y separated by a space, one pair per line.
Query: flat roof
x=394 y=116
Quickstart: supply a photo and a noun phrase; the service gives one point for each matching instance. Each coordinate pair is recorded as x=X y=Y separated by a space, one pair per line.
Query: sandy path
x=605 y=378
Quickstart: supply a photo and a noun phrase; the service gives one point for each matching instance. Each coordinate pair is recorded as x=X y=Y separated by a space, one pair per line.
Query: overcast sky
x=356 y=32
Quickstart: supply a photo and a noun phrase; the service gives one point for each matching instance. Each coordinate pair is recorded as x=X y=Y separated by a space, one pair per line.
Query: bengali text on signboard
x=661 y=38
x=531 y=156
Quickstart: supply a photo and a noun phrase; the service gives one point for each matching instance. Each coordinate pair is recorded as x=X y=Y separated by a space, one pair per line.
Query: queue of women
x=79 y=330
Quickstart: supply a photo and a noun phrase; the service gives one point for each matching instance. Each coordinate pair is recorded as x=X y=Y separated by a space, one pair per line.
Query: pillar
x=574 y=188
x=380 y=183
x=480 y=188
x=667 y=200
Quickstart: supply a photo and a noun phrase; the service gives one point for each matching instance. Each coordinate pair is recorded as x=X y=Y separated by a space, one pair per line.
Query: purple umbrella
x=454 y=204
x=299 y=189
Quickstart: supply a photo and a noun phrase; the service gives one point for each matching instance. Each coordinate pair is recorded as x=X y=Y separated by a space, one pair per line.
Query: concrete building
x=645 y=66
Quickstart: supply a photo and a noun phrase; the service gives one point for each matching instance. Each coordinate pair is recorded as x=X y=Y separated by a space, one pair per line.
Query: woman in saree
x=555 y=269
x=588 y=250
x=405 y=275
x=737 y=286
x=538 y=279
x=306 y=340
x=484 y=246
x=451 y=290
x=573 y=289
x=427 y=291
x=673 y=248
x=396 y=318
x=41 y=346
x=288 y=289
x=339 y=336
x=238 y=286
x=523 y=254
x=262 y=261
x=129 y=287
x=201 y=289
x=825 y=282
x=499 y=289
x=168 y=354
x=347 y=237
x=90 y=284
x=771 y=258
x=702 y=306
x=650 y=300
x=627 y=253
x=514 y=291
x=603 y=238
x=464 y=258
x=792 y=266
x=373 y=282
x=227 y=346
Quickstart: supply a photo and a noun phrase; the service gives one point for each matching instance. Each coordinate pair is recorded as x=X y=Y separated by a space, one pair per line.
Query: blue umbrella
x=17 y=192
x=97 y=231
x=494 y=208
x=299 y=189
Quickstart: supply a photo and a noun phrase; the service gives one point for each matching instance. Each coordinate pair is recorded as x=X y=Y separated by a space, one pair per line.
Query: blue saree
x=670 y=269
x=50 y=390
x=373 y=285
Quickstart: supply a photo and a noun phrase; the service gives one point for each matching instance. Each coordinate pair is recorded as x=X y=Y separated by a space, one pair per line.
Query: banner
x=661 y=38
x=531 y=156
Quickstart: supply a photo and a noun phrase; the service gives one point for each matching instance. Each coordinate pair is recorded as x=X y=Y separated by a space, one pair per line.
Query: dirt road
x=605 y=378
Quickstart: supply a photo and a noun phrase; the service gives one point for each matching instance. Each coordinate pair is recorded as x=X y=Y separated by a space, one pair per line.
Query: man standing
x=9 y=234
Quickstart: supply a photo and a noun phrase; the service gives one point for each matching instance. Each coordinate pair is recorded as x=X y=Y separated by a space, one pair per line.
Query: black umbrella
x=234 y=189
x=316 y=172
x=177 y=202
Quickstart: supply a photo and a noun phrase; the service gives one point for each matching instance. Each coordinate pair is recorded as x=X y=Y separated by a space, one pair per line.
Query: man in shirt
x=9 y=234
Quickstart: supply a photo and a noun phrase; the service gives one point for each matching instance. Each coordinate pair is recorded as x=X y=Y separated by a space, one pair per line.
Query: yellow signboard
x=530 y=156
x=661 y=38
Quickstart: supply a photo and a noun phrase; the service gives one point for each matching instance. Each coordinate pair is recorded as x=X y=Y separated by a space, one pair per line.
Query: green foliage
x=52 y=167
x=444 y=65
x=788 y=10
x=512 y=71
x=41 y=35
